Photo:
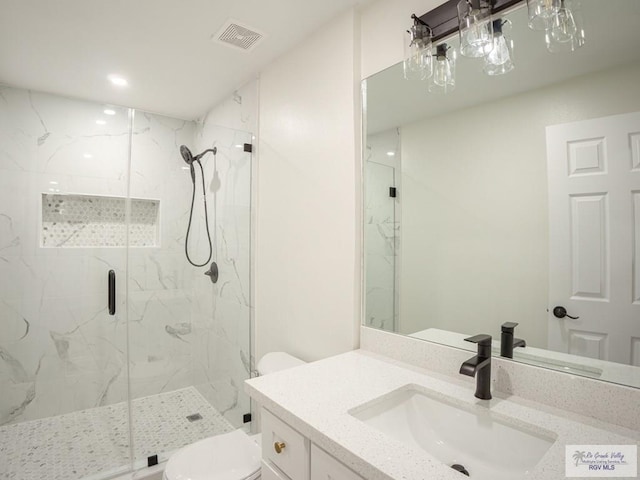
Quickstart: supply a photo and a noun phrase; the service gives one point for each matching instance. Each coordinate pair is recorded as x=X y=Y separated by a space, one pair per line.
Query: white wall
x=474 y=215
x=307 y=282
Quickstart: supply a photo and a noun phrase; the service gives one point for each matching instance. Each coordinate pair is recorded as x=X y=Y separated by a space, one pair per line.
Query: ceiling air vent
x=239 y=36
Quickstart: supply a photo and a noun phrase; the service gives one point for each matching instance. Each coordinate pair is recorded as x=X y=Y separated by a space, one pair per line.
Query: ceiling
x=162 y=47
x=612 y=39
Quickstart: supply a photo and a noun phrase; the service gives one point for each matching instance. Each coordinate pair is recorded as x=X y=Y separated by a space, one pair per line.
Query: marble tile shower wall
x=184 y=330
x=223 y=326
x=59 y=349
x=160 y=279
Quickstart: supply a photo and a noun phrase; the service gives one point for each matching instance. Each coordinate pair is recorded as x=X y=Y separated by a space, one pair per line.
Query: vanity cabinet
x=325 y=467
x=288 y=455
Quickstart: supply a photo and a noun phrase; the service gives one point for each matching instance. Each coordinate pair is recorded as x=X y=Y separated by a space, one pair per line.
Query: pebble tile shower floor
x=85 y=443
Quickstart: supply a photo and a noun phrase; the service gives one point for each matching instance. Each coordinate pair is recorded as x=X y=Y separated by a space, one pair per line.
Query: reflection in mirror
x=514 y=194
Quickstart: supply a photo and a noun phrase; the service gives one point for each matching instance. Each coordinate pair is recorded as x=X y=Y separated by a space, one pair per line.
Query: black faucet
x=507 y=342
x=480 y=366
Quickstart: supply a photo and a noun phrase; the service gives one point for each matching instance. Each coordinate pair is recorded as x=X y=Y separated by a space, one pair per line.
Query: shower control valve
x=212 y=273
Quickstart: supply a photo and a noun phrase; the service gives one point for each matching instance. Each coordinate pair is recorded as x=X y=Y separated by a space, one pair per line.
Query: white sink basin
x=489 y=446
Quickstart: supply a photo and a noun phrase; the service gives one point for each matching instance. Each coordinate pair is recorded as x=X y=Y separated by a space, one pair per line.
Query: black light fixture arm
x=418 y=20
x=443 y=20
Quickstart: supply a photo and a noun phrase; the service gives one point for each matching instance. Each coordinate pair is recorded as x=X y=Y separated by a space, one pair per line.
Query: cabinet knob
x=279 y=447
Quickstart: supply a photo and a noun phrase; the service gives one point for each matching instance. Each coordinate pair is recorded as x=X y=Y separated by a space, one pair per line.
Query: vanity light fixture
x=475 y=27
x=418 y=46
x=444 y=70
x=483 y=34
x=500 y=59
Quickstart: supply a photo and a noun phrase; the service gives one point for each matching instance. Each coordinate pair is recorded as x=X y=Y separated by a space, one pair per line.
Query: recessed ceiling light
x=101 y=122
x=118 y=80
x=87 y=155
x=53 y=183
x=391 y=154
x=239 y=146
x=108 y=111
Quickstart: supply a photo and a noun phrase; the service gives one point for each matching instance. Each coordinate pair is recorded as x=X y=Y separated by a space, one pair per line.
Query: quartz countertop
x=315 y=399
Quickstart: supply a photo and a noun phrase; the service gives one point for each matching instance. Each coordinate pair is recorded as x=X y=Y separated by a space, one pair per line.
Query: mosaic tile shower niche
x=92 y=221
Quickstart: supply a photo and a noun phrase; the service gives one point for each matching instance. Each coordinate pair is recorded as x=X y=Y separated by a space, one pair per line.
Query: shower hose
x=206 y=219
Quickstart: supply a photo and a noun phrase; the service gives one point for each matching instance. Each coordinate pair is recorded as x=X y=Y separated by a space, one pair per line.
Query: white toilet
x=231 y=456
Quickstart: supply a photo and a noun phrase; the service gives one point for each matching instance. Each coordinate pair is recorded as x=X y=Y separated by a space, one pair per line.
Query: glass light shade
x=571 y=46
x=562 y=27
x=418 y=58
x=444 y=71
x=476 y=28
x=500 y=60
x=579 y=37
x=540 y=13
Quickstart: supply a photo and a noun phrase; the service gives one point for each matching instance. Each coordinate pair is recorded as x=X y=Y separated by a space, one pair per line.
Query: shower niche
x=75 y=221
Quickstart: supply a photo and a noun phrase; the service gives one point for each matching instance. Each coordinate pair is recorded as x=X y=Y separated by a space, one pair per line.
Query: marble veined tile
x=60 y=351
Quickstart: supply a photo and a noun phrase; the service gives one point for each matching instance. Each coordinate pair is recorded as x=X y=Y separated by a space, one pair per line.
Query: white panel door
x=594 y=232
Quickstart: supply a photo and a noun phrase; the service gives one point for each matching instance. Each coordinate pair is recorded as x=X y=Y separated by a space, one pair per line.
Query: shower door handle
x=112 y=292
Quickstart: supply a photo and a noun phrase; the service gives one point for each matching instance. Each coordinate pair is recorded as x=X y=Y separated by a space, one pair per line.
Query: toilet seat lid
x=231 y=456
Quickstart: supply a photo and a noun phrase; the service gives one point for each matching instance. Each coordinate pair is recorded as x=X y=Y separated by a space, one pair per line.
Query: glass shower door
x=189 y=338
x=63 y=185
x=381 y=230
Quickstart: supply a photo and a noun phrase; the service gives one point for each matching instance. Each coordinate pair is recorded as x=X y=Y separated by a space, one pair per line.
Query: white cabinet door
x=284 y=447
x=594 y=231
x=325 y=467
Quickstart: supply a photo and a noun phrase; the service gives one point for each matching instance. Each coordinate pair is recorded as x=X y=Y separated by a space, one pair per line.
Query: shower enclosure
x=382 y=229
x=87 y=189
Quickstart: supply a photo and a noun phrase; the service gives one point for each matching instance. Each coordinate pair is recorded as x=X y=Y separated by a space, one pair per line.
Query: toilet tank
x=276 y=361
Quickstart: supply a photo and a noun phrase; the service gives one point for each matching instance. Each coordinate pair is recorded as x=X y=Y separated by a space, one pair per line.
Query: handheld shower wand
x=190 y=160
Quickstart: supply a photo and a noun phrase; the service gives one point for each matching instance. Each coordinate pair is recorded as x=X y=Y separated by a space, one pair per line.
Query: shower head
x=186 y=154
x=188 y=157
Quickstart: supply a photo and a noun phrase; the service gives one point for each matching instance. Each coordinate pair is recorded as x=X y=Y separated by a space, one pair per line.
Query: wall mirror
x=513 y=195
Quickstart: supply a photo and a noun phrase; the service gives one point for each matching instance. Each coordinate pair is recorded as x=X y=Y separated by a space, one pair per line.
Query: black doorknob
x=561 y=312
